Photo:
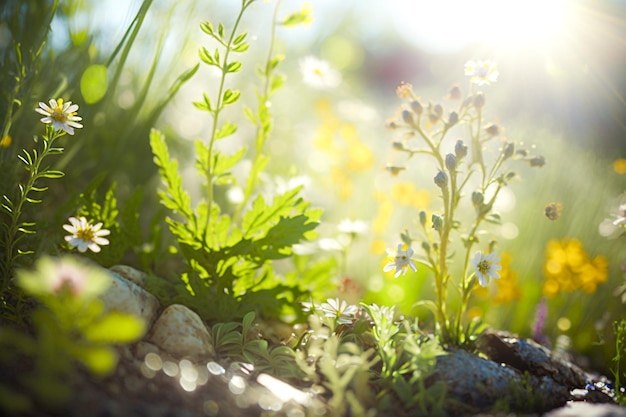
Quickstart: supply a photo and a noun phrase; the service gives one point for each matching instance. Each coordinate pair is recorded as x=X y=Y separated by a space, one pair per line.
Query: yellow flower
x=619 y=166
x=569 y=268
x=6 y=141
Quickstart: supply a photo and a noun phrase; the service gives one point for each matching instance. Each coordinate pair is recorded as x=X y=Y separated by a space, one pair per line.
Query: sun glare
x=447 y=25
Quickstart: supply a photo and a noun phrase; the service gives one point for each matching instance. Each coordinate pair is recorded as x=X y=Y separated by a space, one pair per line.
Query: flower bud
x=453 y=118
x=422 y=216
x=391 y=124
x=477 y=199
x=454 y=93
x=537 y=161
x=407 y=116
x=417 y=107
x=437 y=222
x=426 y=247
x=479 y=100
x=398 y=146
x=394 y=170
x=441 y=179
x=460 y=149
x=508 y=150
x=451 y=162
x=493 y=129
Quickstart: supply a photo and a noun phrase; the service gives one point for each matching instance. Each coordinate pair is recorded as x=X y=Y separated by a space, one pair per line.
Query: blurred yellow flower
x=385 y=210
x=619 y=166
x=5 y=142
x=507 y=287
x=406 y=194
x=569 y=268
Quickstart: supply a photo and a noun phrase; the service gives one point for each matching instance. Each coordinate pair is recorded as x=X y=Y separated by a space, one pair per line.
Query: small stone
x=181 y=333
x=127 y=297
x=131 y=274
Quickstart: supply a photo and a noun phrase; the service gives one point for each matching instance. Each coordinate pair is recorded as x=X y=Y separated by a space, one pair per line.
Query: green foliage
x=71 y=325
x=239 y=342
x=229 y=257
x=619 y=329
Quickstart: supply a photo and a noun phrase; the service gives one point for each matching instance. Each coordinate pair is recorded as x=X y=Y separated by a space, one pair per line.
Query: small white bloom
x=84 y=235
x=61 y=115
x=339 y=310
x=355 y=227
x=401 y=261
x=318 y=73
x=482 y=72
x=486 y=267
x=615 y=226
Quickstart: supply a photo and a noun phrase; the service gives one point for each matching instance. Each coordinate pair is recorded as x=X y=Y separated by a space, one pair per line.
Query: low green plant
x=456 y=173
x=229 y=257
x=70 y=325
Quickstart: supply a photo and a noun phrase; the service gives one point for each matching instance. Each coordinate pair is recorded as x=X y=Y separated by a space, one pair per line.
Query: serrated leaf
x=226 y=130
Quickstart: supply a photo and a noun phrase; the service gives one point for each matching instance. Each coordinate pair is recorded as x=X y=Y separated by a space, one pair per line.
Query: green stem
x=216 y=113
x=264 y=126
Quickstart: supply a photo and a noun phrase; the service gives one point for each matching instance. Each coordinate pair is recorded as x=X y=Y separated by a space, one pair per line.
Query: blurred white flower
x=486 y=267
x=401 y=261
x=615 y=226
x=318 y=73
x=61 y=115
x=339 y=310
x=353 y=227
x=84 y=235
x=482 y=72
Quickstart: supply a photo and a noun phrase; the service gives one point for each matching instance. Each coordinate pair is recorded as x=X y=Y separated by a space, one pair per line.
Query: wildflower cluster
x=456 y=171
x=568 y=268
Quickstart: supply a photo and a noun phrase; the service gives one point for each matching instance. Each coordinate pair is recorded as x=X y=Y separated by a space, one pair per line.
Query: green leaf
x=115 y=327
x=207 y=28
x=302 y=16
x=230 y=96
x=224 y=163
x=240 y=38
x=226 y=130
x=94 y=83
x=241 y=48
x=100 y=359
x=234 y=66
x=276 y=83
x=52 y=173
x=204 y=105
x=220 y=30
x=206 y=57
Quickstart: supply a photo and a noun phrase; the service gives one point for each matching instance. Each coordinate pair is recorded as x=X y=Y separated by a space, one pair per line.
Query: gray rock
x=127 y=297
x=181 y=333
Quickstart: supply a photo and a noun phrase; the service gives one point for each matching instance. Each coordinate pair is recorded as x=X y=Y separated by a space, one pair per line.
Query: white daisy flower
x=61 y=115
x=486 y=267
x=401 y=261
x=84 y=235
x=318 y=73
x=482 y=72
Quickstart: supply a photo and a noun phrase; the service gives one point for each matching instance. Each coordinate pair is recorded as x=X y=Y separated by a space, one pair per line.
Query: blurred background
x=560 y=94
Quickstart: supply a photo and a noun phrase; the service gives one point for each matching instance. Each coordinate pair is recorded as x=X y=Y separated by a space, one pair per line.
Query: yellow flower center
x=85 y=234
x=483 y=267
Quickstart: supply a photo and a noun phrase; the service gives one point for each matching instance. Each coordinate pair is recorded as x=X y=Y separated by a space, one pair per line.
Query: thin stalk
x=216 y=113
